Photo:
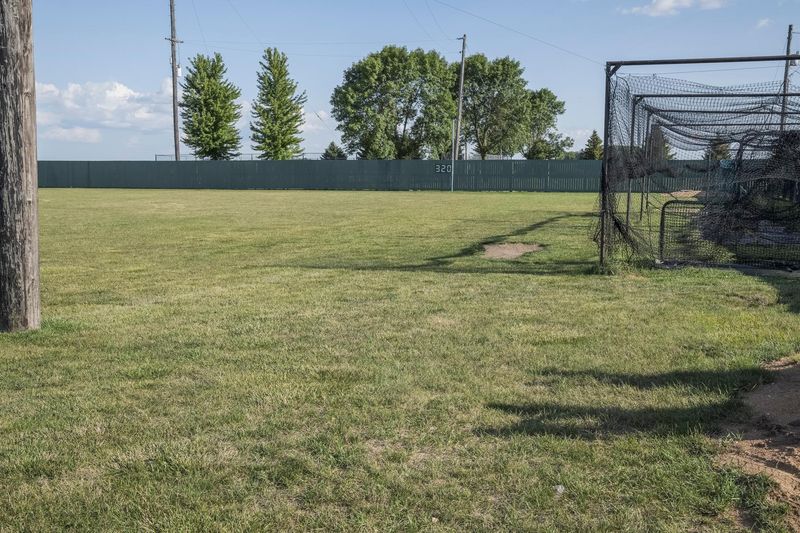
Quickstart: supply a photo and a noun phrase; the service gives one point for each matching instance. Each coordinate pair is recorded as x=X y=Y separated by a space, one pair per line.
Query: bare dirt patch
x=687 y=194
x=509 y=250
x=770 y=442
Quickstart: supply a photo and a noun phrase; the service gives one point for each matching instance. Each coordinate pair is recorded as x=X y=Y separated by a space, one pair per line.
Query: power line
x=434 y=18
x=325 y=122
x=300 y=54
x=244 y=22
x=324 y=43
x=414 y=16
x=200 y=27
x=518 y=32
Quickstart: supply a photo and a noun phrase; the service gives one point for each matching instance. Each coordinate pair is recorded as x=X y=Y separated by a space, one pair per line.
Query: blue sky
x=102 y=66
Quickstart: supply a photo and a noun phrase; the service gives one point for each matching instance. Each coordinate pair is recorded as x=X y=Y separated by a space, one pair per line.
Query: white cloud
x=243 y=124
x=712 y=4
x=763 y=23
x=660 y=8
x=76 y=135
x=46 y=91
x=44 y=118
x=93 y=106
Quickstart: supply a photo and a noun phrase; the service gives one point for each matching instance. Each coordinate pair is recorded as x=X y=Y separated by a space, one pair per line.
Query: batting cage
x=699 y=173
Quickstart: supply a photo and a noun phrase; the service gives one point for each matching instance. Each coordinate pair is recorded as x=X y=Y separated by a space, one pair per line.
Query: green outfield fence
x=558 y=176
x=555 y=176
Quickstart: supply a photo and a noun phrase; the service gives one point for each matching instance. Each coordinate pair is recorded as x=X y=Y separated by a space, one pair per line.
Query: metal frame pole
x=717 y=95
x=723 y=112
x=630 y=156
x=453 y=159
x=605 y=208
x=786 y=77
x=738 y=124
x=702 y=61
x=646 y=177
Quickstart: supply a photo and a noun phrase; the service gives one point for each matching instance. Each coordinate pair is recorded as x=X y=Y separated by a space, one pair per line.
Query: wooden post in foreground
x=19 y=225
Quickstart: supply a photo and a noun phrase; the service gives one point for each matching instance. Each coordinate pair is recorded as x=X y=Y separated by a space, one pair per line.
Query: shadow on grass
x=446 y=264
x=787 y=285
x=593 y=422
x=496 y=239
x=697 y=380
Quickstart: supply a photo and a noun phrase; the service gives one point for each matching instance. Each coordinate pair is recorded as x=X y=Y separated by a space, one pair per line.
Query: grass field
x=346 y=361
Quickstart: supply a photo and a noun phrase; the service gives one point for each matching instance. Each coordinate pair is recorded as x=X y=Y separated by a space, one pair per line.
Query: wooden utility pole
x=786 y=77
x=19 y=226
x=457 y=140
x=173 y=39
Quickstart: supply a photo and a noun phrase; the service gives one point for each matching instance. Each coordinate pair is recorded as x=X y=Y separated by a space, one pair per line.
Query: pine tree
x=333 y=151
x=658 y=148
x=277 y=111
x=209 y=109
x=594 y=147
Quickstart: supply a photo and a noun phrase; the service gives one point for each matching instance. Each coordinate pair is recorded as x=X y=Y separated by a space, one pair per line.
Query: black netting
x=699 y=173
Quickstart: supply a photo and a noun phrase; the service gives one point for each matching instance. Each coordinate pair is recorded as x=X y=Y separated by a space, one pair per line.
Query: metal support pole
x=647 y=159
x=703 y=61
x=605 y=205
x=453 y=159
x=720 y=94
x=786 y=77
x=630 y=158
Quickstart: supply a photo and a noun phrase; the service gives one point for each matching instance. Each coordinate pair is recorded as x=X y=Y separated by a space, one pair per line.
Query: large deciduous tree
x=209 y=109
x=277 y=110
x=396 y=104
x=497 y=105
x=545 y=142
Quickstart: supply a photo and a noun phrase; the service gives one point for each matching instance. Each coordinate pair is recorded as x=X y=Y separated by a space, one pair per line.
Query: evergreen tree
x=594 y=147
x=658 y=148
x=209 y=109
x=333 y=152
x=277 y=111
x=718 y=150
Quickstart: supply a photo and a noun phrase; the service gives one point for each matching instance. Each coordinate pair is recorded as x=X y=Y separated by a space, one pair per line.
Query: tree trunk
x=19 y=226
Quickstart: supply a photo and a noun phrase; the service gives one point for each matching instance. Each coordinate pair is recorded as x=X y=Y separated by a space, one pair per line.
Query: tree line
x=393 y=104
x=210 y=111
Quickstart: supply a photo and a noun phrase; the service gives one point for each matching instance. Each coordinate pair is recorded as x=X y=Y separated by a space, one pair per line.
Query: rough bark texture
x=19 y=227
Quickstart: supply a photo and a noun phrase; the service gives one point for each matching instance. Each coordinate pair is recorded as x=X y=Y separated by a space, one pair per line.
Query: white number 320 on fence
x=444 y=169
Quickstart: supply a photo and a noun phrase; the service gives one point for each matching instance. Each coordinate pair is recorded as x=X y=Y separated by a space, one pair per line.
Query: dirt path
x=770 y=442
